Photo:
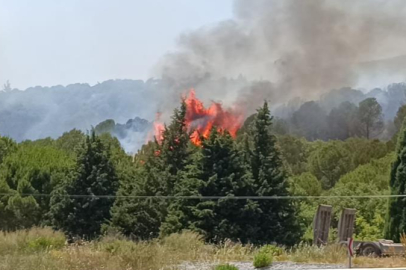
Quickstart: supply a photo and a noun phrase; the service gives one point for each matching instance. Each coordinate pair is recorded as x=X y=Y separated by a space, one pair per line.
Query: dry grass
x=304 y=253
x=29 y=241
x=45 y=249
x=113 y=252
x=386 y=262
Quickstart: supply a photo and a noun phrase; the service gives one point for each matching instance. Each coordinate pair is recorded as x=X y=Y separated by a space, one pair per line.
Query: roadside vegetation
x=43 y=248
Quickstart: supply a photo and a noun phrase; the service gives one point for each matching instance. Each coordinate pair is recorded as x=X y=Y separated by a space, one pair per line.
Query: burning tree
x=217 y=170
x=196 y=155
x=199 y=120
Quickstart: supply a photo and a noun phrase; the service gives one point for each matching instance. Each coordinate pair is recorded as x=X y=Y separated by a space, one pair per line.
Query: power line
x=207 y=197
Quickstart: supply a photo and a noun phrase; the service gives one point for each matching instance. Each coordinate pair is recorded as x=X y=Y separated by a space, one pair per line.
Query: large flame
x=200 y=120
x=159 y=127
x=158 y=131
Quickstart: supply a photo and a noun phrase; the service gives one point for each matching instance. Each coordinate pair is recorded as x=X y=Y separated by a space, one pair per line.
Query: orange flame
x=159 y=127
x=200 y=120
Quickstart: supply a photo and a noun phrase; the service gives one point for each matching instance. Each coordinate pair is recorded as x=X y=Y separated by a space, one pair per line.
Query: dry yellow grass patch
x=113 y=253
x=304 y=253
x=385 y=262
x=46 y=250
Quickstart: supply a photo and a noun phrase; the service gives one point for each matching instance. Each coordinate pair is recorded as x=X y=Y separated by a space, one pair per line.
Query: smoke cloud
x=285 y=51
x=302 y=48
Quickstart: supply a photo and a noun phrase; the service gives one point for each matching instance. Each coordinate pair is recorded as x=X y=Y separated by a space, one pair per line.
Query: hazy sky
x=50 y=42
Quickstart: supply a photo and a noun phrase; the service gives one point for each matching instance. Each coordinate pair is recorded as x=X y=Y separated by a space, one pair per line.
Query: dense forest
x=87 y=185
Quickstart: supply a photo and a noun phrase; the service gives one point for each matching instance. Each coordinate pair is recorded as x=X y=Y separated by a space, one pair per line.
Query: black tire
x=370 y=250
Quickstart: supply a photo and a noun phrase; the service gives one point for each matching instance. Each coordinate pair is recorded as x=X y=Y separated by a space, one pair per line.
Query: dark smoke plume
x=302 y=47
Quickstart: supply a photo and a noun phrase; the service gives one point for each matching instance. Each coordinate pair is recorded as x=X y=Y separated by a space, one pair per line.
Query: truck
x=321 y=226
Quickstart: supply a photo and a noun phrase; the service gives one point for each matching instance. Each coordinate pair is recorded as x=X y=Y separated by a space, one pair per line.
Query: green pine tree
x=277 y=218
x=174 y=150
x=396 y=216
x=141 y=218
x=217 y=170
x=83 y=212
x=159 y=165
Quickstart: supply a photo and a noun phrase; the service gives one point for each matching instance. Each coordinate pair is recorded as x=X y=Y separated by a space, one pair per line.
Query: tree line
x=70 y=184
x=86 y=185
x=346 y=120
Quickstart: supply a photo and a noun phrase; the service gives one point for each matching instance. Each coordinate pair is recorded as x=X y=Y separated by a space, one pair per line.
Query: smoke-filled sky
x=267 y=49
x=305 y=48
x=58 y=42
x=313 y=44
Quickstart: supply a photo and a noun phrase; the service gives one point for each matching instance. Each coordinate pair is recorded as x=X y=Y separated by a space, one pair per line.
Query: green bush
x=226 y=267
x=262 y=259
x=271 y=249
x=42 y=243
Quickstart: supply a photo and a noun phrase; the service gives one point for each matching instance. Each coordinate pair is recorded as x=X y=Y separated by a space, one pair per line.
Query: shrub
x=33 y=240
x=186 y=241
x=226 y=267
x=262 y=259
x=42 y=239
x=42 y=243
x=271 y=249
x=116 y=246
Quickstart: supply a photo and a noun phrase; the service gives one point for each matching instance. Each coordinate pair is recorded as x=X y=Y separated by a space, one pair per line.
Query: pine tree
x=83 y=212
x=141 y=218
x=396 y=215
x=159 y=167
x=174 y=147
x=277 y=219
x=217 y=170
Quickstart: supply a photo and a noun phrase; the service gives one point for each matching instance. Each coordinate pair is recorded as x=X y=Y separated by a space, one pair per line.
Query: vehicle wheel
x=370 y=251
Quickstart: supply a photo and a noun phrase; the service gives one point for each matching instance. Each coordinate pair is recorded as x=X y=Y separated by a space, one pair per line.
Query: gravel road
x=274 y=266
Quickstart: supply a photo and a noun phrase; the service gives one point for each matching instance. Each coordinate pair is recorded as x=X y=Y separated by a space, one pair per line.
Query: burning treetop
x=200 y=120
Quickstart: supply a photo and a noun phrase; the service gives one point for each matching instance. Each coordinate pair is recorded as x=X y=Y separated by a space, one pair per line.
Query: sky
x=59 y=42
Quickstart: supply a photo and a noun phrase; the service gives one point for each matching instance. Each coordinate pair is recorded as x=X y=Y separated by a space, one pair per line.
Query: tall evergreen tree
x=396 y=215
x=141 y=218
x=174 y=147
x=83 y=212
x=159 y=166
x=277 y=219
x=217 y=170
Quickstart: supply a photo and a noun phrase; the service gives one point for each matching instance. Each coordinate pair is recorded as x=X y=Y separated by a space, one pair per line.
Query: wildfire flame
x=200 y=120
x=159 y=127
